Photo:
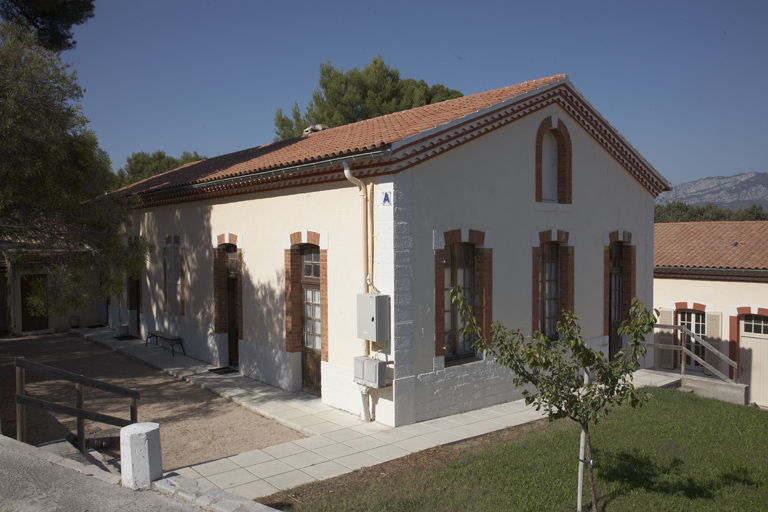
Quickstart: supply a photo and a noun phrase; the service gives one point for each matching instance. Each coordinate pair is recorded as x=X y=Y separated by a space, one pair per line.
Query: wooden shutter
x=714 y=337
x=666 y=358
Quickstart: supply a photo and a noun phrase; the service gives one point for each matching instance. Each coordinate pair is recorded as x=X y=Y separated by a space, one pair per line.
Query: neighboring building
x=712 y=277
x=525 y=196
x=16 y=281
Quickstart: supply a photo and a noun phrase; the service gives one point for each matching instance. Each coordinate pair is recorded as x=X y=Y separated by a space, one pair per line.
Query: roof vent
x=315 y=128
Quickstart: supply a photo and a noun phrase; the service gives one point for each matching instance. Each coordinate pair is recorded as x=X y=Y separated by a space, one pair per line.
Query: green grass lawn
x=678 y=452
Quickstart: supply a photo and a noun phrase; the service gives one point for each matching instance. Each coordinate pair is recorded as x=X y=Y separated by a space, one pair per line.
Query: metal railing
x=695 y=338
x=23 y=401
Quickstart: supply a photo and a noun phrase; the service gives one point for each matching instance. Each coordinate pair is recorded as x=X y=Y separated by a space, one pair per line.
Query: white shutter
x=714 y=337
x=666 y=358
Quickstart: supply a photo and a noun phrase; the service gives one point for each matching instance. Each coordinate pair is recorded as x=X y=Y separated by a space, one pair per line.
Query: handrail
x=697 y=339
x=22 y=400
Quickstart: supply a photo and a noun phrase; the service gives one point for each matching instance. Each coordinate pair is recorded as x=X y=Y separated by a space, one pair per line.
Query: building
x=524 y=196
x=712 y=277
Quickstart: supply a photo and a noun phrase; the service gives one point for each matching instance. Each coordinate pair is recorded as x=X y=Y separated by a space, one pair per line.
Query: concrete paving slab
x=335 y=451
x=290 y=479
x=246 y=459
x=359 y=460
x=395 y=435
x=207 y=469
x=314 y=442
x=365 y=443
x=418 y=429
x=233 y=478
x=270 y=468
x=326 y=470
x=385 y=453
x=442 y=437
x=255 y=489
x=284 y=450
x=416 y=444
x=302 y=460
x=344 y=435
x=322 y=428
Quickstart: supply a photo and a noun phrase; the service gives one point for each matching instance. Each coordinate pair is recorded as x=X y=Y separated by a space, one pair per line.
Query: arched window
x=549 y=168
x=553 y=162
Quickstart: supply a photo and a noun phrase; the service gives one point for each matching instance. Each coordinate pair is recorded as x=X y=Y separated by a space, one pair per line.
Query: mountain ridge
x=732 y=192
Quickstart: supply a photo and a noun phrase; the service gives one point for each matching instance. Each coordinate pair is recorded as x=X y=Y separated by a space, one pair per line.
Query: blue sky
x=684 y=82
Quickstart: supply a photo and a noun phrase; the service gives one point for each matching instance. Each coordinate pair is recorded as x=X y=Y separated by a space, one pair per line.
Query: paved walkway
x=337 y=442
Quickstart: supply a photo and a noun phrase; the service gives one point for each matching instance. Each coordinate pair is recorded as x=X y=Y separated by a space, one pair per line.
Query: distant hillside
x=731 y=192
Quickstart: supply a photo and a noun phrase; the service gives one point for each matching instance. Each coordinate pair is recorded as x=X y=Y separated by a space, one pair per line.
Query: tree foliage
x=677 y=211
x=556 y=367
x=53 y=176
x=140 y=166
x=50 y=20
x=345 y=97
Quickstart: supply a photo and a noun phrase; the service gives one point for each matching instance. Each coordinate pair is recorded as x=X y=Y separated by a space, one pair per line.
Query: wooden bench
x=171 y=339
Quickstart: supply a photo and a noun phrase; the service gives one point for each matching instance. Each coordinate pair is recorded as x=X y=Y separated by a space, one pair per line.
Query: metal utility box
x=370 y=372
x=373 y=316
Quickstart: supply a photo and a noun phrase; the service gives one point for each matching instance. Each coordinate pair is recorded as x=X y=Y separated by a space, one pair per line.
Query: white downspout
x=364 y=390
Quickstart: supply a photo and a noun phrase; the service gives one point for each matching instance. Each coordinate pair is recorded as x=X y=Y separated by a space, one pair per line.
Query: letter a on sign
x=386 y=199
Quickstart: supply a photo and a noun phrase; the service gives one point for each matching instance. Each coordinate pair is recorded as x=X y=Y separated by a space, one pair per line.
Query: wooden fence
x=23 y=401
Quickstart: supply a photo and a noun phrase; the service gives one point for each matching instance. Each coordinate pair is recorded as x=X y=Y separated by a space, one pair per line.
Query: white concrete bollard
x=140 y=457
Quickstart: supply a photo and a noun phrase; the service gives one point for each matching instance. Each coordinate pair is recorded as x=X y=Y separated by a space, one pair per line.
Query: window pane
x=308 y=295
x=307 y=310
x=307 y=270
x=317 y=327
x=316 y=296
x=308 y=324
x=318 y=343
x=315 y=270
x=317 y=312
x=747 y=327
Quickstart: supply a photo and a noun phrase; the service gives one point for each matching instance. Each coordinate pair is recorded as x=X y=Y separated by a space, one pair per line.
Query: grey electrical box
x=370 y=372
x=373 y=316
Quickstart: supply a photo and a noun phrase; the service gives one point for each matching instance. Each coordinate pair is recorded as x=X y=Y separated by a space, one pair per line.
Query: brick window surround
x=564 y=156
x=220 y=277
x=293 y=299
x=174 y=240
x=628 y=277
x=566 y=256
x=483 y=300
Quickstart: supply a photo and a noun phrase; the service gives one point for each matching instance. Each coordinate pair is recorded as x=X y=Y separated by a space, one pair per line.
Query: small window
x=550 y=290
x=756 y=324
x=459 y=271
x=232 y=259
x=311 y=257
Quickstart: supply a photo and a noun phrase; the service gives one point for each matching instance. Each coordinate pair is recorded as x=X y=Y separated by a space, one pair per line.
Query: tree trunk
x=585 y=427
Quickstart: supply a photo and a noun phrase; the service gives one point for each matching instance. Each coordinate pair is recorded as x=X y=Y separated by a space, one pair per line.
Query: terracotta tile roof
x=715 y=245
x=363 y=136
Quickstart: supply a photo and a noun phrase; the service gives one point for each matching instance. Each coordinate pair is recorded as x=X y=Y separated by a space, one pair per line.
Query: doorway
x=311 y=346
x=29 y=321
x=233 y=321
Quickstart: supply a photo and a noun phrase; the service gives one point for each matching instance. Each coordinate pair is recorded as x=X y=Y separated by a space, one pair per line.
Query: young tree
x=556 y=368
x=349 y=96
x=51 y=20
x=53 y=177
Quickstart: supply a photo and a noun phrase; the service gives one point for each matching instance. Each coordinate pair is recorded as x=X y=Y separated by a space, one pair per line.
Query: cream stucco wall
x=262 y=223
x=489 y=185
x=718 y=296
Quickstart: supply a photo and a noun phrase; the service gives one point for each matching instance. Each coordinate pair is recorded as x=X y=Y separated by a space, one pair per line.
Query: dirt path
x=195 y=425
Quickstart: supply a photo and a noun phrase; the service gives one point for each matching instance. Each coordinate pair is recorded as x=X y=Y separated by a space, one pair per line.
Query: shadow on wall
x=263 y=342
x=192 y=224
